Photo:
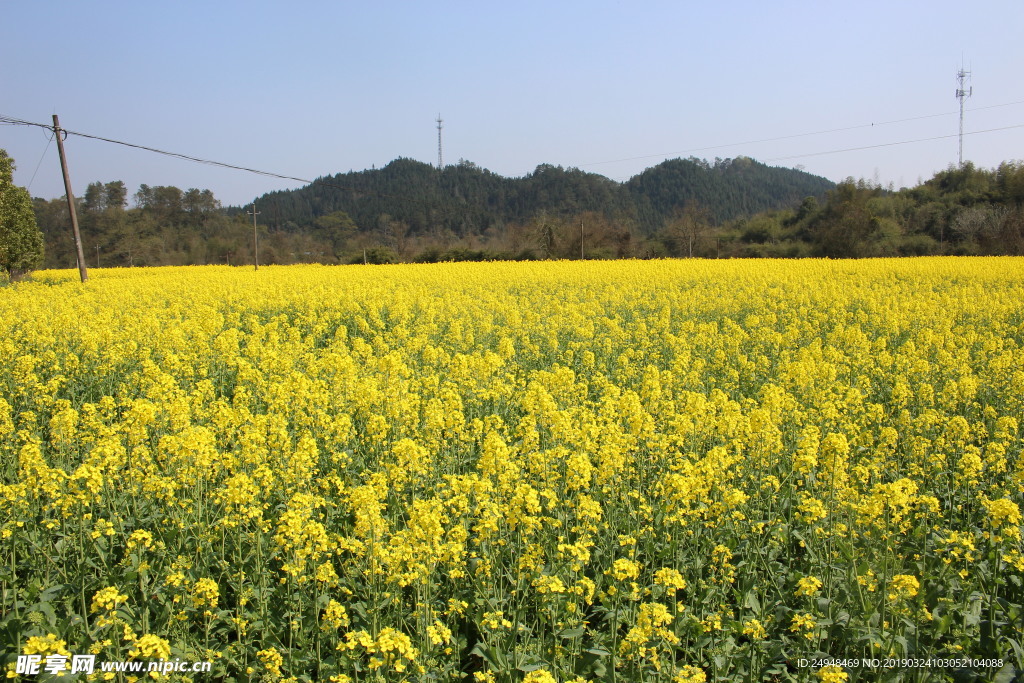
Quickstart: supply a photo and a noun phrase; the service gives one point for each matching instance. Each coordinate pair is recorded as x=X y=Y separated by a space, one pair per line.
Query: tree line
x=962 y=210
x=413 y=212
x=165 y=226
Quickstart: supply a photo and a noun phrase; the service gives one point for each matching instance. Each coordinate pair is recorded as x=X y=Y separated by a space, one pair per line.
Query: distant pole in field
x=440 y=157
x=255 y=243
x=82 y=272
x=581 y=238
x=961 y=94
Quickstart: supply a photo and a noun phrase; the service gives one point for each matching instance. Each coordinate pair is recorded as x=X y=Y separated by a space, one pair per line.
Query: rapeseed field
x=671 y=471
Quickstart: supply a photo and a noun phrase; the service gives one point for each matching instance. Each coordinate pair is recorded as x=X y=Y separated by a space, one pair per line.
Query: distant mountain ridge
x=464 y=199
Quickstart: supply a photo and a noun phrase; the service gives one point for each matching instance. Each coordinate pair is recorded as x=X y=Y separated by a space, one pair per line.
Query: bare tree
x=688 y=225
x=545 y=234
x=979 y=224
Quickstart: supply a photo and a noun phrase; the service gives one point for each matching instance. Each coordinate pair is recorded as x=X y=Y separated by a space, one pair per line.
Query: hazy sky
x=315 y=88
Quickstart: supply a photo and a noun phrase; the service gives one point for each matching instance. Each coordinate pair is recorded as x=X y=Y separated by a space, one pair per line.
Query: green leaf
x=51 y=592
x=488 y=654
x=593 y=660
x=359 y=608
x=1017 y=648
x=1008 y=674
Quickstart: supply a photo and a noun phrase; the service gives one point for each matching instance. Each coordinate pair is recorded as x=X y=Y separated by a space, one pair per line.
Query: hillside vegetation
x=410 y=211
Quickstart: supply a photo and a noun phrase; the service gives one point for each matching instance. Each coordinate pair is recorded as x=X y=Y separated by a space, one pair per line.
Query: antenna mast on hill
x=961 y=94
x=440 y=159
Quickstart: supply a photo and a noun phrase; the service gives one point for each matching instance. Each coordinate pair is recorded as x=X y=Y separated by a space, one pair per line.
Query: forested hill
x=464 y=200
x=727 y=189
x=408 y=211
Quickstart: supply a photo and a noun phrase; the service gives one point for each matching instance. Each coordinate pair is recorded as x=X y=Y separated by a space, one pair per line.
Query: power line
x=763 y=140
x=19 y=122
x=796 y=135
x=43 y=156
x=14 y=121
x=892 y=144
x=221 y=164
x=9 y=120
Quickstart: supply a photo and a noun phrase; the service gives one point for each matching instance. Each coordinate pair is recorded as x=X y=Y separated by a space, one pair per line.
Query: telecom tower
x=961 y=94
x=440 y=159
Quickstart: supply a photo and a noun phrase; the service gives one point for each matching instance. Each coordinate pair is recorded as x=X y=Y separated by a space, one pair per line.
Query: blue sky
x=307 y=89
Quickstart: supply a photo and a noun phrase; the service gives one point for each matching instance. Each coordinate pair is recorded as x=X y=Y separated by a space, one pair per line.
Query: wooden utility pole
x=57 y=132
x=255 y=245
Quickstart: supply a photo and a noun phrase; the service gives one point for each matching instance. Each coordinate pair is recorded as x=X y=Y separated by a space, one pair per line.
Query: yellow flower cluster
x=902 y=587
x=49 y=644
x=391 y=648
x=205 y=594
x=335 y=616
x=650 y=631
x=1004 y=514
x=754 y=629
x=150 y=646
x=832 y=674
x=808 y=586
x=804 y=624
x=105 y=603
x=690 y=674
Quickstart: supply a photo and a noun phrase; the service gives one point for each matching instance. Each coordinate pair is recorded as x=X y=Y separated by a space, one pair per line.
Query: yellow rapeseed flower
x=754 y=629
x=690 y=674
x=803 y=624
x=903 y=586
x=808 y=586
x=831 y=674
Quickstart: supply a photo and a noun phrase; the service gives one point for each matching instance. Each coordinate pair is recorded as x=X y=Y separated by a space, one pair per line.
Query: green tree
x=1010 y=178
x=95 y=199
x=336 y=227
x=21 y=242
x=845 y=227
x=200 y=205
x=116 y=195
x=53 y=220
